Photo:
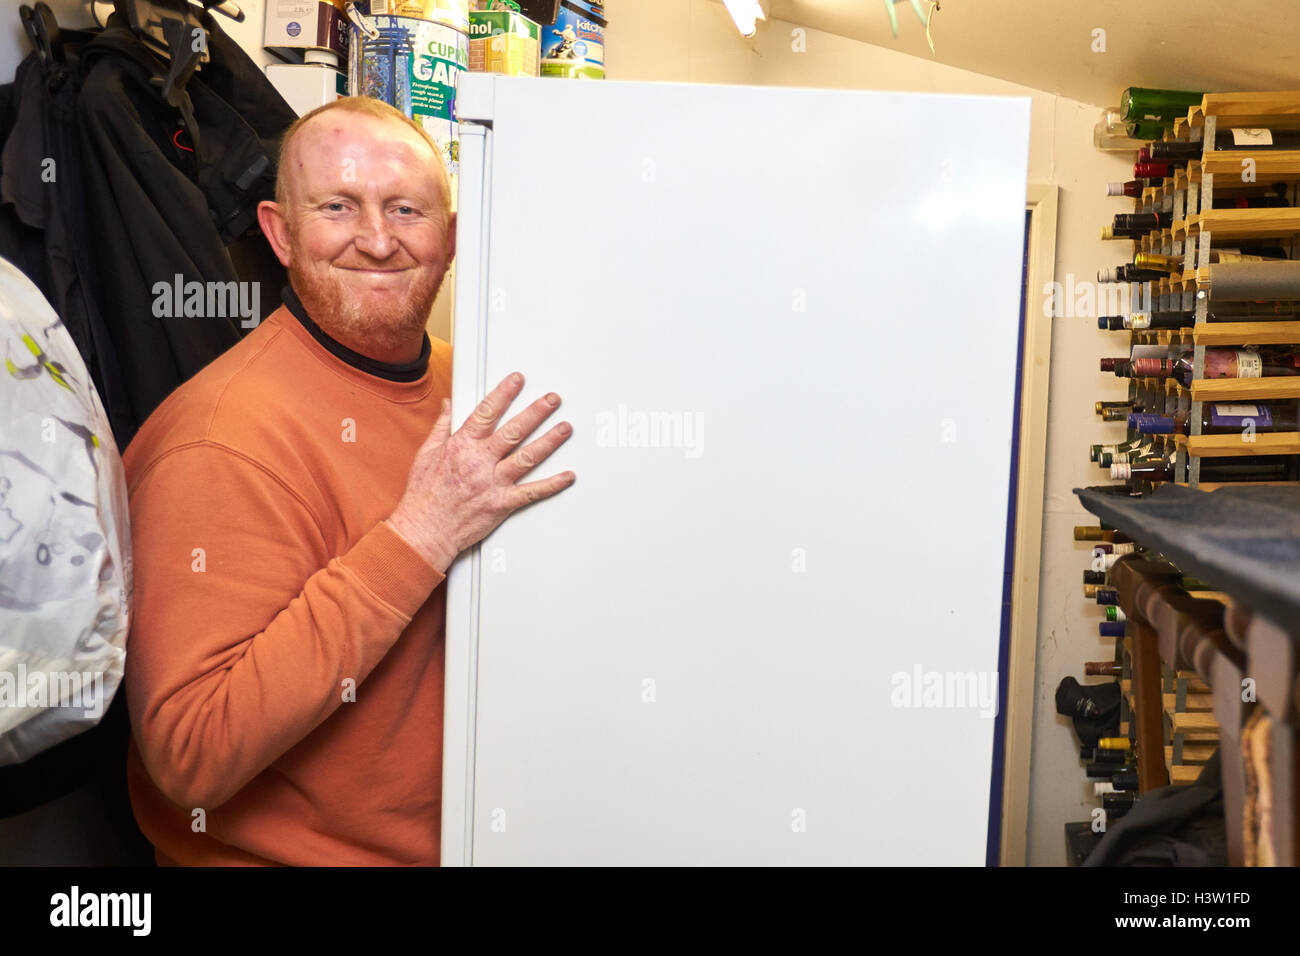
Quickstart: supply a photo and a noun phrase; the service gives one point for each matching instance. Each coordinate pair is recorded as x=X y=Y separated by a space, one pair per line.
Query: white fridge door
x=762 y=626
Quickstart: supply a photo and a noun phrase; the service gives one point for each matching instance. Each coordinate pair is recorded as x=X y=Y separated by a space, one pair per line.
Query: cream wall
x=695 y=41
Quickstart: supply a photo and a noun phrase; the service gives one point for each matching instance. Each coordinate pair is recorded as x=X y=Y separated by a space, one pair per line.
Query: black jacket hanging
x=44 y=229
x=166 y=200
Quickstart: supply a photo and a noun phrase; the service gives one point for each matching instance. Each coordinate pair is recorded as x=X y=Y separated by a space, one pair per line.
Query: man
x=294 y=517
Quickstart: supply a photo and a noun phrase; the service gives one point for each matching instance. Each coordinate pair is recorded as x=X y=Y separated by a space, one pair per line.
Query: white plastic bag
x=65 y=565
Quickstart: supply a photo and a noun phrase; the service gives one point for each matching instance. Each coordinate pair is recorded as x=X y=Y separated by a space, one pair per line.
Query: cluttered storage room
x=624 y=433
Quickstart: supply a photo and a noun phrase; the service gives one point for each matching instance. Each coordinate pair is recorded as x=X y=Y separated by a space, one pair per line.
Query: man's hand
x=462 y=486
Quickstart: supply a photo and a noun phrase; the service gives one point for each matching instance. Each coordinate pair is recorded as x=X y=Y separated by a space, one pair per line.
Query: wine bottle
x=1224 y=418
x=1186 y=318
x=1114 y=743
x=1127 y=273
x=1116 y=758
x=1111 y=133
x=1106 y=596
x=1104 y=405
x=1222 y=363
x=1218 y=256
x=1155 y=262
x=1114 y=614
x=1102 y=786
x=1121 y=801
x=1096 y=577
x=1110 y=629
x=1247 y=468
x=1118 y=548
x=1152 y=129
x=1141 y=222
x=1132 y=188
x=1100 y=771
x=1145 y=155
x=1139 y=103
x=1156 y=171
x=1232 y=138
x=1084 y=532
x=1249 y=202
x=1124 y=781
x=1103 y=669
x=1136 y=453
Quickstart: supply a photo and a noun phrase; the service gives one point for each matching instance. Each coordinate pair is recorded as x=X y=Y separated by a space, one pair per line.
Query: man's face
x=369 y=237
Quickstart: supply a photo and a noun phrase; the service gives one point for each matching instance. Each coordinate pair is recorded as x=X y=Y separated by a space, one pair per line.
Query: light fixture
x=746 y=13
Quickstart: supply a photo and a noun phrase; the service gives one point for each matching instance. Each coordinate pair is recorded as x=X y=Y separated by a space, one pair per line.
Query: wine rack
x=1196 y=229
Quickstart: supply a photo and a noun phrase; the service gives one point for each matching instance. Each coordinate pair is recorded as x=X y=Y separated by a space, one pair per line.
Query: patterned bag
x=65 y=566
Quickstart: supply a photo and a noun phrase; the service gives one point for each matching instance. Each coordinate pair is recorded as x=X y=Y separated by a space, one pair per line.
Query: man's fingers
x=521 y=495
x=484 y=419
x=509 y=435
x=530 y=456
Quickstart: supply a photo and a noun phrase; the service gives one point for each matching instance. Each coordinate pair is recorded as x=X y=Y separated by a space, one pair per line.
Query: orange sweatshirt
x=285 y=663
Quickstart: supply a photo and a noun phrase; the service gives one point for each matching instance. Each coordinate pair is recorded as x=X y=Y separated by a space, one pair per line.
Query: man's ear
x=270 y=216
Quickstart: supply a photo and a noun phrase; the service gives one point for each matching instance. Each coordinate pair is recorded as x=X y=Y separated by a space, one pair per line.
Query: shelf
x=1195 y=726
x=1223 y=389
x=1246 y=333
x=1182 y=775
x=1192 y=754
x=1271 y=165
x=1244 y=223
x=1276 y=109
x=1194 y=683
x=1196 y=703
x=1232 y=446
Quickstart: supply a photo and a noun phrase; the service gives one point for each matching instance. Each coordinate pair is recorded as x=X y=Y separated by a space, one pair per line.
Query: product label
x=1252 y=137
x=1140 y=320
x=1225 y=256
x=1249 y=365
x=413 y=65
x=1236 y=416
x=1220 y=364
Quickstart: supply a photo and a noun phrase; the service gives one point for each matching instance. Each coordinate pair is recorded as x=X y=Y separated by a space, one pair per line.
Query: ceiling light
x=746 y=13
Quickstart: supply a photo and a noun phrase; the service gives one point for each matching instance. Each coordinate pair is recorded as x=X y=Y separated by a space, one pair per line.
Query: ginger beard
x=377 y=317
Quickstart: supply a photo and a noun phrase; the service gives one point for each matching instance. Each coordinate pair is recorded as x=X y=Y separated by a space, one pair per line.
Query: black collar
x=407 y=372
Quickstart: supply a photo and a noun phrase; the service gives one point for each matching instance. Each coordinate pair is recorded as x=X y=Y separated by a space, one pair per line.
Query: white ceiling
x=1211 y=45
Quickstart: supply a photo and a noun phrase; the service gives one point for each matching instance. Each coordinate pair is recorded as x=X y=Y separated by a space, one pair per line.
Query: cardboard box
x=501 y=41
x=295 y=26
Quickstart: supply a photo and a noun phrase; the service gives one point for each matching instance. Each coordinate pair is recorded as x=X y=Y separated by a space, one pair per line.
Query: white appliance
x=784 y=325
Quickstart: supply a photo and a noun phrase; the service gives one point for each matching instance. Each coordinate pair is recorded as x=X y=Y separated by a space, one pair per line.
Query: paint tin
x=414 y=64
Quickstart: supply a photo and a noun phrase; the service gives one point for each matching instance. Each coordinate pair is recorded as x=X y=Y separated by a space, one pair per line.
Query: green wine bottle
x=1140 y=103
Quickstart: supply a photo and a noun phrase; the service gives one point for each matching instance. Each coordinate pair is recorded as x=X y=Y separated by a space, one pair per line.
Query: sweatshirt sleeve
x=244 y=626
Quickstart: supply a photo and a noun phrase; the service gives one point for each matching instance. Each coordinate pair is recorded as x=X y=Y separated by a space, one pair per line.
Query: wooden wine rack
x=1181 y=717
x=1188 y=197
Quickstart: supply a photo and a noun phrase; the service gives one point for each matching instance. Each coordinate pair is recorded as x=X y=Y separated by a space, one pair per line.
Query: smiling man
x=294 y=509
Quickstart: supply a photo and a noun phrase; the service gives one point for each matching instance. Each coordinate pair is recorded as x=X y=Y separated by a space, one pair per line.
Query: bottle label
x=1140 y=320
x=1252 y=137
x=1249 y=365
x=1225 y=257
x=1220 y=363
x=1234 y=416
